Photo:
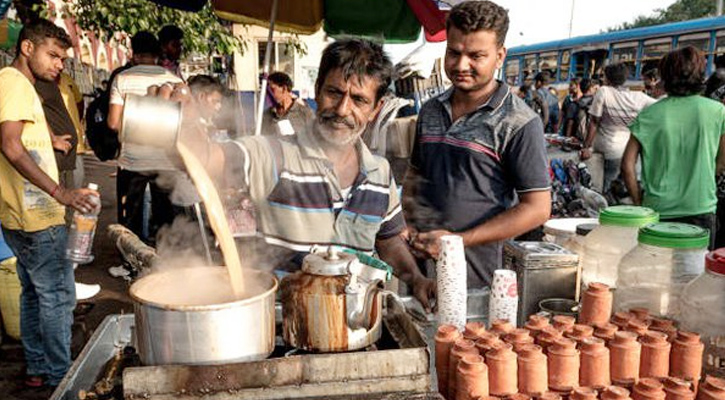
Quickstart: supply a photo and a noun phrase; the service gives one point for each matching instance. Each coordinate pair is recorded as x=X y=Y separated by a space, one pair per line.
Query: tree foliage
x=681 y=10
x=204 y=32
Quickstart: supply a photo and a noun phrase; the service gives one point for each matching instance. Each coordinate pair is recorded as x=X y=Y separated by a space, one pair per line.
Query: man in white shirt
x=613 y=108
x=138 y=165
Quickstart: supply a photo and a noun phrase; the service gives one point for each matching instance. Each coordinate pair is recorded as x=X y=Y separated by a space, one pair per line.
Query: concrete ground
x=113 y=298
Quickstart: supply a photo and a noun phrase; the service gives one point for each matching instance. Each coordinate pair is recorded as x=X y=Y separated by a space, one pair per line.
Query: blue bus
x=639 y=48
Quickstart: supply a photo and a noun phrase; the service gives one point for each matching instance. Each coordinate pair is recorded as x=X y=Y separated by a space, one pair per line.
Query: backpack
x=102 y=139
x=582 y=117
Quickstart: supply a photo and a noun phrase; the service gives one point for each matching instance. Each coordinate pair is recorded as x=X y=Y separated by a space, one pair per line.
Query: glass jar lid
x=628 y=216
x=674 y=235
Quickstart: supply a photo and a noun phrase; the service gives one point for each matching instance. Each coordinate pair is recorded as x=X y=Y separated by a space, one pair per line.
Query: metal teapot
x=334 y=303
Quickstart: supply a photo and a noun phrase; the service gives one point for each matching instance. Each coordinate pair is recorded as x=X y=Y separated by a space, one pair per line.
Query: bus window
x=720 y=43
x=529 y=67
x=512 y=72
x=700 y=41
x=547 y=62
x=653 y=50
x=626 y=53
x=564 y=66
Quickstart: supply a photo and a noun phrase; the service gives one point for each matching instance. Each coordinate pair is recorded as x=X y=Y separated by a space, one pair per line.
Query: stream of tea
x=217 y=218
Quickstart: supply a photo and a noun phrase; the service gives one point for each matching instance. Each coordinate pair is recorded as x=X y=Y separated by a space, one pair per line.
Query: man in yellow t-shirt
x=32 y=205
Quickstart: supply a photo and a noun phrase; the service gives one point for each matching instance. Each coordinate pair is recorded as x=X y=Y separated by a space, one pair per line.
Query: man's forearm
x=395 y=251
x=520 y=219
x=591 y=132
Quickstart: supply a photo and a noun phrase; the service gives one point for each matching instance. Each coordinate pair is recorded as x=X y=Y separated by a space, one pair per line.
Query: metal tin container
x=235 y=331
x=544 y=271
x=150 y=121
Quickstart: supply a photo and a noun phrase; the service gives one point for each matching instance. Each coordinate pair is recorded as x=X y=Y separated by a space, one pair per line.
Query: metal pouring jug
x=334 y=303
x=150 y=121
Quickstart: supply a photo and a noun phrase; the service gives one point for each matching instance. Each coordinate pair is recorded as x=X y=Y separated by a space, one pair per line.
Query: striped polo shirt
x=136 y=80
x=300 y=204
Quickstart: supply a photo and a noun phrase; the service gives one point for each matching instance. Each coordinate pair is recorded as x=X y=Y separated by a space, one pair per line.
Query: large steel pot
x=174 y=333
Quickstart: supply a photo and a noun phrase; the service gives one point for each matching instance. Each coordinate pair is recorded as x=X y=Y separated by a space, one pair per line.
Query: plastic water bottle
x=82 y=231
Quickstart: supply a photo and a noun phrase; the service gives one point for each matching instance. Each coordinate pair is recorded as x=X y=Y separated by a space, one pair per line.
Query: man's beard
x=331 y=135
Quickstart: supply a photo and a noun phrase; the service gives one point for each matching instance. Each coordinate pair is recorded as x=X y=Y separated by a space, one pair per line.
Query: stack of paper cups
x=504 y=301
x=451 y=273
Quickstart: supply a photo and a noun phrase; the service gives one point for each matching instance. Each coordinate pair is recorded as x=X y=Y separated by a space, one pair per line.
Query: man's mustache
x=332 y=117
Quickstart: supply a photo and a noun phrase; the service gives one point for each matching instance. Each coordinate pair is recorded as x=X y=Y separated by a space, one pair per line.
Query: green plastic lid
x=630 y=216
x=674 y=235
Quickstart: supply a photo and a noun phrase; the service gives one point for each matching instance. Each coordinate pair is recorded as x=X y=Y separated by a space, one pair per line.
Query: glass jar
x=669 y=255
x=615 y=236
x=702 y=310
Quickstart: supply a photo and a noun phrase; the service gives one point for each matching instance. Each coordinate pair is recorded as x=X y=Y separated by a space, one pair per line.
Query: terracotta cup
x=462 y=347
x=596 y=304
x=605 y=331
x=564 y=323
x=580 y=332
x=547 y=337
x=655 y=357
x=641 y=314
x=615 y=393
x=486 y=342
x=535 y=324
x=501 y=327
x=550 y=396
x=686 y=356
x=624 y=351
x=664 y=325
x=473 y=330
x=502 y=370
x=583 y=393
x=712 y=389
x=637 y=326
x=594 y=369
x=518 y=338
x=472 y=381
x=621 y=318
x=445 y=337
x=532 y=370
x=648 y=389
x=563 y=364
x=678 y=389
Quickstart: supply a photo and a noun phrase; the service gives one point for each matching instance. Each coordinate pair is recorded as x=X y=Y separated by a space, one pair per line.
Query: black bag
x=102 y=139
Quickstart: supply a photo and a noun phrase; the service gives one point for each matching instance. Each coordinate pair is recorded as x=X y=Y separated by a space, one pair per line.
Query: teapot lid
x=328 y=263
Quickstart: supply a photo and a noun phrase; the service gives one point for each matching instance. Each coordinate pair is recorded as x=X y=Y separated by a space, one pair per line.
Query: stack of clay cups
x=596 y=304
x=517 y=338
x=678 y=389
x=486 y=341
x=501 y=327
x=625 y=353
x=445 y=338
x=615 y=393
x=474 y=330
x=564 y=323
x=665 y=326
x=648 y=389
x=472 y=380
x=686 y=356
x=621 y=318
x=637 y=326
x=655 y=357
x=563 y=365
x=462 y=347
x=535 y=324
x=532 y=371
x=547 y=337
x=605 y=331
x=583 y=393
x=502 y=370
x=712 y=389
x=580 y=332
x=594 y=369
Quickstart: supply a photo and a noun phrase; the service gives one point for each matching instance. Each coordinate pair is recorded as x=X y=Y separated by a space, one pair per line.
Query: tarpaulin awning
x=9 y=32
